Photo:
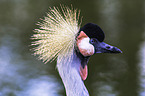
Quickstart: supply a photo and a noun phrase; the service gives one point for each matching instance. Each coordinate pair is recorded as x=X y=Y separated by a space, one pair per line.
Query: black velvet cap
x=93 y=31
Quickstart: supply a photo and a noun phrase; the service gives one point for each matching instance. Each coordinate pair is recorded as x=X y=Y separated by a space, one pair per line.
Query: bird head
x=90 y=41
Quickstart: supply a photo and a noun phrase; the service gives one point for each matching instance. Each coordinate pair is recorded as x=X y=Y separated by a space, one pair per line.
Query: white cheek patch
x=85 y=47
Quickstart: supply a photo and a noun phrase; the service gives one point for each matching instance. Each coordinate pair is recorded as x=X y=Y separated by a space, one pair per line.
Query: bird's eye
x=92 y=41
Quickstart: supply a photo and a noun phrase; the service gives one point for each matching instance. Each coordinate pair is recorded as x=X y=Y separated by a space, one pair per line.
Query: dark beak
x=101 y=47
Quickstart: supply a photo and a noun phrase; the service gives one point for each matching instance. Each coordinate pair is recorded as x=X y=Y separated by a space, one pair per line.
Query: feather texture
x=56 y=35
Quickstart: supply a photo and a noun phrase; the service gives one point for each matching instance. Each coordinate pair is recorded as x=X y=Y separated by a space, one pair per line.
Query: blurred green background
x=123 y=22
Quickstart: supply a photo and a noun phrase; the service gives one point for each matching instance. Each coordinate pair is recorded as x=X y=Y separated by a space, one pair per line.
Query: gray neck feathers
x=69 y=73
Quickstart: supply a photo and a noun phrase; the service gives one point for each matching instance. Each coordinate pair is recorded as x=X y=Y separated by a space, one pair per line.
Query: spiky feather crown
x=57 y=34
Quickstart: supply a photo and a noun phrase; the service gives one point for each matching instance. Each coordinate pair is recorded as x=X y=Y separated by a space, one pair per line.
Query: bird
x=60 y=37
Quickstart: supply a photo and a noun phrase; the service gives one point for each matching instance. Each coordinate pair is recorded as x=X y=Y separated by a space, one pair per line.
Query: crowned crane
x=60 y=36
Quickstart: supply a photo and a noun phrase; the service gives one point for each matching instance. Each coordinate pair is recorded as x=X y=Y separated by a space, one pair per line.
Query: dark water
x=123 y=22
